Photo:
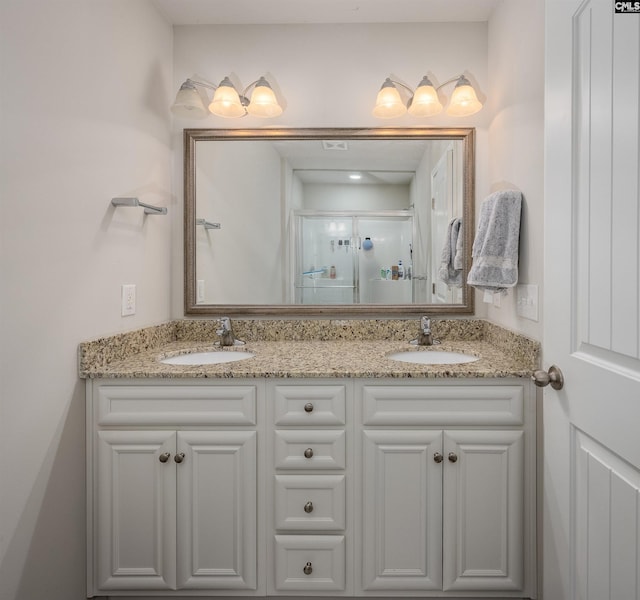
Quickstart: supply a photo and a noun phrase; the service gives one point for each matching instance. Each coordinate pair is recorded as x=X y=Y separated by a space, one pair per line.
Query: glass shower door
x=325 y=260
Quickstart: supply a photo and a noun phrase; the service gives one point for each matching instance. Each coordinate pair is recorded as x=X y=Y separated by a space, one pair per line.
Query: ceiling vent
x=335 y=145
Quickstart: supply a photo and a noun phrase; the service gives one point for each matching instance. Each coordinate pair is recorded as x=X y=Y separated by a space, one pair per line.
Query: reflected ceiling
x=245 y=12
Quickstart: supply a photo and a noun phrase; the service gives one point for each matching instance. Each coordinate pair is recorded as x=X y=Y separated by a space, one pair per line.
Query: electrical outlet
x=128 y=299
x=200 y=291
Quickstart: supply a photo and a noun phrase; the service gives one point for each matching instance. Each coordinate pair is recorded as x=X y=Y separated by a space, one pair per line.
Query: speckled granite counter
x=311 y=349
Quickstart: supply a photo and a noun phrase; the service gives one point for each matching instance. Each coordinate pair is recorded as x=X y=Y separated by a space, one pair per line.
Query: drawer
x=311 y=502
x=443 y=405
x=308 y=449
x=309 y=405
x=176 y=405
x=309 y=562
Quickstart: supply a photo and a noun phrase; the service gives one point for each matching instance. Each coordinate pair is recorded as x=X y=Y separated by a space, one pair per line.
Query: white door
x=217 y=510
x=442 y=210
x=591 y=497
x=483 y=510
x=136 y=510
x=402 y=510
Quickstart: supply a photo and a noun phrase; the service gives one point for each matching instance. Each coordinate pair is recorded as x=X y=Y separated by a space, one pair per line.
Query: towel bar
x=148 y=208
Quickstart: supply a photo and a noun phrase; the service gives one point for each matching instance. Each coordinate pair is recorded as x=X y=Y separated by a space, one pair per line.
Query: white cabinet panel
x=443 y=405
x=217 y=510
x=309 y=405
x=483 y=510
x=310 y=449
x=135 y=510
x=175 y=405
x=309 y=563
x=310 y=502
x=402 y=510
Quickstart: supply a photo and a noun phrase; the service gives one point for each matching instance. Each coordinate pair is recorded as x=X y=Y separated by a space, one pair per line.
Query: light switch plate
x=200 y=291
x=128 y=299
x=527 y=301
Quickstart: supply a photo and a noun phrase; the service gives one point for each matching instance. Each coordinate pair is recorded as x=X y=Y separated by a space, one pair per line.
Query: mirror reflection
x=327 y=221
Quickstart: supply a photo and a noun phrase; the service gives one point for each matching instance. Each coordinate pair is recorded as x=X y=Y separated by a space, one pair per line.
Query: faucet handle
x=425 y=324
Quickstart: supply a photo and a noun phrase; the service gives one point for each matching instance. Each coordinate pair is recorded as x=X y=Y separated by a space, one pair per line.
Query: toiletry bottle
x=332 y=272
x=394 y=272
x=400 y=270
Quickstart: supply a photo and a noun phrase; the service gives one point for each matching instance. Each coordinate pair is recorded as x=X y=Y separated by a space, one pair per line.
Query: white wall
x=240 y=263
x=329 y=76
x=515 y=160
x=84 y=97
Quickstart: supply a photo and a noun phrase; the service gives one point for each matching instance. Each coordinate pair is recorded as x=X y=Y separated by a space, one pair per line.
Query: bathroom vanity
x=287 y=474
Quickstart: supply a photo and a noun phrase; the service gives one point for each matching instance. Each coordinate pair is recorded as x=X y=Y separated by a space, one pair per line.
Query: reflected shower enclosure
x=352 y=258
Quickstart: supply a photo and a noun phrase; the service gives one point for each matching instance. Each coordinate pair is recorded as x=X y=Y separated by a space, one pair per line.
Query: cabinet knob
x=308 y=569
x=308 y=507
x=453 y=457
x=179 y=457
x=438 y=457
x=308 y=453
x=308 y=407
x=163 y=458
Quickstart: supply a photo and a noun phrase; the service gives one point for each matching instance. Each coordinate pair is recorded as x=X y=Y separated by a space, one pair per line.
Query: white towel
x=495 y=248
x=450 y=271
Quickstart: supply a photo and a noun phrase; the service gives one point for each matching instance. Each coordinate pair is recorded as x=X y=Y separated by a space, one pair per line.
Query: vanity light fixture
x=424 y=102
x=226 y=102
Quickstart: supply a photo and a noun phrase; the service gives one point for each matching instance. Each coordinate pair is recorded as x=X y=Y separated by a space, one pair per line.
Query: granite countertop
x=501 y=354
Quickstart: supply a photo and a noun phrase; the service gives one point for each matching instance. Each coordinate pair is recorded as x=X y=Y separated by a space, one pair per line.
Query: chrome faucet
x=227 y=337
x=425 y=338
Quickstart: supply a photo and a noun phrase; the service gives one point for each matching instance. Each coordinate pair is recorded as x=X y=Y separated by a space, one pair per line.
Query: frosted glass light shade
x=464 y=101
x=388 y=103
x=188 y=103
x=425 y=101
x=263 y=101
x=226 y=101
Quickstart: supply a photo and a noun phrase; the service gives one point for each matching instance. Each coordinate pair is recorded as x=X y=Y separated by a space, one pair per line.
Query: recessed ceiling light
x=355 y=176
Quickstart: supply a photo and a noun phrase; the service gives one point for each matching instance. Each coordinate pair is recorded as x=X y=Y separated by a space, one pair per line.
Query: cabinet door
x=135 y=510
x=483 y=510
x=217 y=507
x=402 y=504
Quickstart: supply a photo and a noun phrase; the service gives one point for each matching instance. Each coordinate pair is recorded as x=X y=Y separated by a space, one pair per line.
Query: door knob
x=164 y=457
x=553 y=377
x=308 y=407
x=308 y=453
x=179 y=457
x=308 y=507
x=438 y=457
x=308 y=569
x=453 y=457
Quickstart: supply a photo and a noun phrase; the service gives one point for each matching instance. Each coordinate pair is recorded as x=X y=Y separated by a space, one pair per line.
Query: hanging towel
x=450 y=271
x=495 y=248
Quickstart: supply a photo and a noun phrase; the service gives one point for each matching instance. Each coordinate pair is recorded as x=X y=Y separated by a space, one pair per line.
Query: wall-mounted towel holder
x=207 y=224
x=148 y=209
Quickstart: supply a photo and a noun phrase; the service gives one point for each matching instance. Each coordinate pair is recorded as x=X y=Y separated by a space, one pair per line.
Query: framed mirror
x=328 y=222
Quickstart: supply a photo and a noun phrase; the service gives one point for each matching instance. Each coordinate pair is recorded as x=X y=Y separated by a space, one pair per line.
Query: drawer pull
x=308 y=569
x=179 y=457
x=163 y=458
x=308 y=453
x=308 y=507
x=308 y=407
x=453 y=457
x=438 y=457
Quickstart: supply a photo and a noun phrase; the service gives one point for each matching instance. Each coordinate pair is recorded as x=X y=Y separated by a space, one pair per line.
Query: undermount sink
x=213 y=357
x=432 y=357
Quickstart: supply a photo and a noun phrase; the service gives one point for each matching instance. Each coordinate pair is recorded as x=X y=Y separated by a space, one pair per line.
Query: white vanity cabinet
x=448 y=489
x=311 y=430
x=173 y=488
x=312 y=487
